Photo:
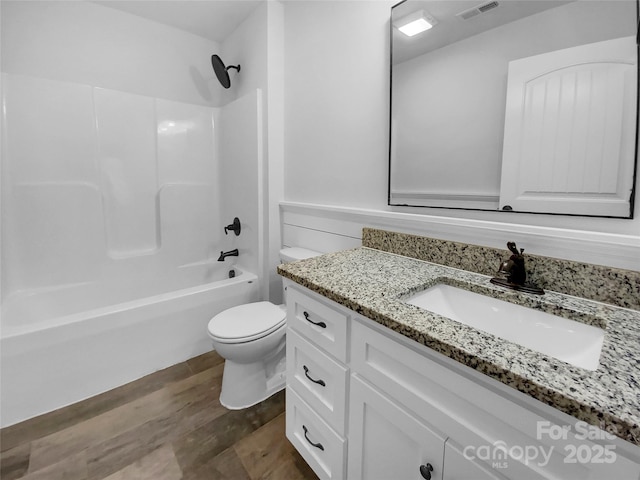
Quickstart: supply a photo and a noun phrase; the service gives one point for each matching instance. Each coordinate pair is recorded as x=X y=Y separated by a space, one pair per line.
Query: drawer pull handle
x=306 y=374
x=425 y=471
x=317 y=445
x=320 y=324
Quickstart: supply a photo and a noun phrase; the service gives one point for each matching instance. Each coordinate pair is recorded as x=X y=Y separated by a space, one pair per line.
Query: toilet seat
x=245 y=323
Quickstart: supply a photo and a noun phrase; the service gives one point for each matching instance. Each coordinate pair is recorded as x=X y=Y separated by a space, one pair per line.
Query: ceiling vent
x=477 y=10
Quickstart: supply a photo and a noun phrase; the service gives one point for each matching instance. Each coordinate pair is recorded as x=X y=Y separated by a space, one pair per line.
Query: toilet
x=251 y=339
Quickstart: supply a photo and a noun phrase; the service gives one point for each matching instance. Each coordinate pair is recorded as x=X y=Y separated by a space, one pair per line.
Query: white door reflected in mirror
x=569 y=136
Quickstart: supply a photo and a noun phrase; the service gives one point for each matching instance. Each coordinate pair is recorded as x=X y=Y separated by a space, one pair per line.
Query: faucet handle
x=505 y=267
x=514 y=249
x=235 y=227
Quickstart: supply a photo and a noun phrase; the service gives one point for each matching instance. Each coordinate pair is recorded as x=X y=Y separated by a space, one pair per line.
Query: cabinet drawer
x=321 y=447
x=319 y=380
x=324 y=325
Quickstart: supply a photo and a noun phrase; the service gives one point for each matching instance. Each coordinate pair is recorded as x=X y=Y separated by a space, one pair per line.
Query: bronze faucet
x=512 y=273
x=230 y=253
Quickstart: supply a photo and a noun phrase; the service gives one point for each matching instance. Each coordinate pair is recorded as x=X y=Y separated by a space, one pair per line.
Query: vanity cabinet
x=388 y=407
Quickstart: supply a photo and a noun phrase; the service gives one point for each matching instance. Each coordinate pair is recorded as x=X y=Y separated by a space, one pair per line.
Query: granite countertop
x=375 y=283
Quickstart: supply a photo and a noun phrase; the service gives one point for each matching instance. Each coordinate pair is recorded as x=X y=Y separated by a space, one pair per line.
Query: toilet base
x=244 y=385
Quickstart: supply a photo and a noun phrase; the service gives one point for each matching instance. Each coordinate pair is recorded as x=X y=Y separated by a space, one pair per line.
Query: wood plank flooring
x=166 y=426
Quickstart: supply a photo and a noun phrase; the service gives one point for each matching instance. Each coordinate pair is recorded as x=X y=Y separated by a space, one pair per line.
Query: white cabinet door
x=457 y=466
x=569 y=134
x=386 y=442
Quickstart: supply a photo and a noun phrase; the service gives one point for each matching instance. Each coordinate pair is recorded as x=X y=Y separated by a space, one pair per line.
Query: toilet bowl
x=251 y=339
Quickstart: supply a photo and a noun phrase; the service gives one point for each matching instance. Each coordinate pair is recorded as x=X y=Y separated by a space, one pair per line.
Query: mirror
x=515 y=105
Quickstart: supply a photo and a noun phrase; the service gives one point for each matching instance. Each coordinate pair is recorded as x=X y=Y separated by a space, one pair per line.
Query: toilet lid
x=246 y=322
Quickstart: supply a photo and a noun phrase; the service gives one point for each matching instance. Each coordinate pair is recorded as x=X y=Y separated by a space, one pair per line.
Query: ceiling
x=212 y=19
x=452 y=28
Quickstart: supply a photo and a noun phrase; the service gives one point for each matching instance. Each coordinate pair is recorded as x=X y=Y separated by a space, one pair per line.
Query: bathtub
x=64 y=344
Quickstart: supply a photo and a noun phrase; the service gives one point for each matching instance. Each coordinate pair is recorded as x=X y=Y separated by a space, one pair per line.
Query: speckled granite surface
x=596 y=282
x=374 y=284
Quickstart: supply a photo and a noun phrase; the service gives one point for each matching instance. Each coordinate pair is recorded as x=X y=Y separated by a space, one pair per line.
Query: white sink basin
x=567 y=340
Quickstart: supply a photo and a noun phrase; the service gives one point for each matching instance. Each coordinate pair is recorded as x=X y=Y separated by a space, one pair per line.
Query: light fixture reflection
x=415 y=23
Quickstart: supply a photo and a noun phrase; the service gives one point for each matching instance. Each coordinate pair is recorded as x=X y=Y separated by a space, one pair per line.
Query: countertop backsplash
x=614 y=286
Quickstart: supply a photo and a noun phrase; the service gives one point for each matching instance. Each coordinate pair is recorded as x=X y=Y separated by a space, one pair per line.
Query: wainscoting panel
x=329 y=228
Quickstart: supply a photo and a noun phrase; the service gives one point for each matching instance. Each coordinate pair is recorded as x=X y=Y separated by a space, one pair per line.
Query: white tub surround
x=114 y=208
x=103 y=184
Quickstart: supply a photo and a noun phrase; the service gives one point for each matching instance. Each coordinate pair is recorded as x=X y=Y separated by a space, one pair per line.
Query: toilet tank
x=291 y=254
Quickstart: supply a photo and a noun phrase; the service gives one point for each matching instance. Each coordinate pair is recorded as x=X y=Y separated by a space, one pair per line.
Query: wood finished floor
x=166 y=426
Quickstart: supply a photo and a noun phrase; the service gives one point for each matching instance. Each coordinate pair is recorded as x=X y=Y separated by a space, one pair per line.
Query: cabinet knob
x=425 y=471
x=320 y=324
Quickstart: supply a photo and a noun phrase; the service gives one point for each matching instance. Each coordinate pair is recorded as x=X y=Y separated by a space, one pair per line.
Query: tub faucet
x=231 y=253
x=234 y=227
x=512 y=273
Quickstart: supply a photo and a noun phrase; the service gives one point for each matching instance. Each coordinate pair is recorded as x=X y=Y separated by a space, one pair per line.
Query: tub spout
x=231 y=253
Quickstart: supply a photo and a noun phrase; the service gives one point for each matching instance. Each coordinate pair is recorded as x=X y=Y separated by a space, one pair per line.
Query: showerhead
x=222 y=72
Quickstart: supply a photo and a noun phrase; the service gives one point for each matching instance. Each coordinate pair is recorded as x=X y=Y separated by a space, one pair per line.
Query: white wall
x=336 y=102
x=83 y=42
x=257 y=45
x=101 y=185
x=247 y=46
x=336 y=140
x=275 y=144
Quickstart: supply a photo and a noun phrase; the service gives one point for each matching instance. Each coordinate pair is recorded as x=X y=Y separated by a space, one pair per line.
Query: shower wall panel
x=191 y=231
x=185 y=143
x=186 y=140
x=100 y=183
x=51 y=135
x=129 y=183
x=52 y=229
x=241 y=148
x=58 y=234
